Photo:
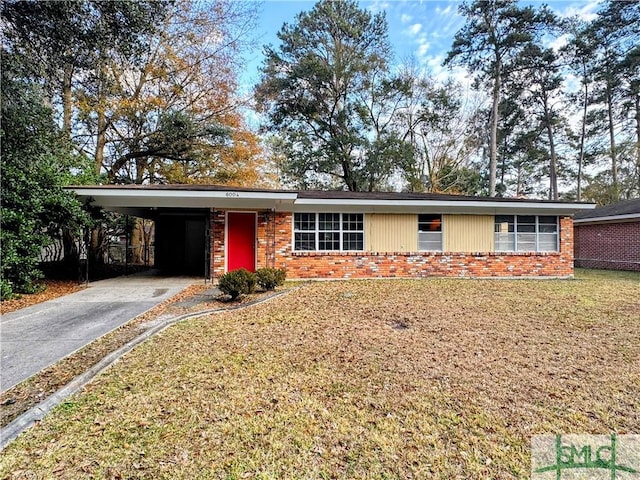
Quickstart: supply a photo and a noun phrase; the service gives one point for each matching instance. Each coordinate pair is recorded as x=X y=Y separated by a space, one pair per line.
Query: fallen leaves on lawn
x=323 y=384
x=29 y=393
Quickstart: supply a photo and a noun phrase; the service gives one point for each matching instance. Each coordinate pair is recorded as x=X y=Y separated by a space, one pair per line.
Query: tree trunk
x=493 y=147
x=70 y=247
x=140 y=169
x=553 y=176
x=96 y=248
x=583 y=134
x=612 y=141
x=101 y=139
x=67 y=100
x=101 y=133
x=638 y=137
x=137 y=242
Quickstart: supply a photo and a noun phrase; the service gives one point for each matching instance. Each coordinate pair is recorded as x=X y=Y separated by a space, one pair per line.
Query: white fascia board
x=439 y=206
x=162 y=193
x=612 y=218
x=111 y=198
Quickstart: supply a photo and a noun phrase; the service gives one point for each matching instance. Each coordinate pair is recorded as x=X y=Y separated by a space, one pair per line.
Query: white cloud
x=557 y=43
x=423 y=48
x=444 y=11
x=440 y=74
x=415 y=28
x=378 y=6
x=404 y=18
x=584 y=10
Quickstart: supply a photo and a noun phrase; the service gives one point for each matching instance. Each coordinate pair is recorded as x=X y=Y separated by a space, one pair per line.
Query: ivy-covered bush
x=270 y=278
x=237 y=282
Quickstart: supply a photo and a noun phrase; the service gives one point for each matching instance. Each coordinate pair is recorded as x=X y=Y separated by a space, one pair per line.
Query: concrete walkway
x=35 y=337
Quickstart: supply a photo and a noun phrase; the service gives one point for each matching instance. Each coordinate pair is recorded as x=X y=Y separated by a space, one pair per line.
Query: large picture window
x=328 y=231
x=430 y=232
x=526 y=233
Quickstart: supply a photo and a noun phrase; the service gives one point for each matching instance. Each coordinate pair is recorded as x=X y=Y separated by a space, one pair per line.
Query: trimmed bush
x=237 y=282
x=270 y=278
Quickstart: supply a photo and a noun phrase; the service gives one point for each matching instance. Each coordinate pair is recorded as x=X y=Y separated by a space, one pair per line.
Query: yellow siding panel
x=391 y=232
x=467 y=233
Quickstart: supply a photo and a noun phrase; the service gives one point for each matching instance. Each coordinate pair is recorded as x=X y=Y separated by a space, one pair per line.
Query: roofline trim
x=121 y=194
x=443 y=203
x=608 y=218
x=184 y=193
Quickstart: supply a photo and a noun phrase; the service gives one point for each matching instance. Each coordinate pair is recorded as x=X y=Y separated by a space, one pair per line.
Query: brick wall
x=614 y=246
x=275 y=249
x=217 y=225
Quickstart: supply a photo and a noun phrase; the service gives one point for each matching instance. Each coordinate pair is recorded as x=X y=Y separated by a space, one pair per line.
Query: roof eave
x=112 y=199
x=630 y=217
x=443 y=206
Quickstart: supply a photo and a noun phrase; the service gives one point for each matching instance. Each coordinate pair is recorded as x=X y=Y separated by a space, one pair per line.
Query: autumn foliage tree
x=172 y=113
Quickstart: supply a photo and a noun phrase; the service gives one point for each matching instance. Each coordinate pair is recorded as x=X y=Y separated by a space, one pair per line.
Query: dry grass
x=374 y=379
x=20 y=398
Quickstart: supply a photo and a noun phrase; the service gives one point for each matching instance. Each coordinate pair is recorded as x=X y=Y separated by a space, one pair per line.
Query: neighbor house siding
x=468 y=233
x=391 y=232
x=614 y=246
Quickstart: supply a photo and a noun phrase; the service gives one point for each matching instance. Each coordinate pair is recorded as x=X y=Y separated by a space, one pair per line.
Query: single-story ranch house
x=209 y=230
x=609 y=237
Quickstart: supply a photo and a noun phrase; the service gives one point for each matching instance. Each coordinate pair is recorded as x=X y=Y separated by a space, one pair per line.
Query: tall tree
x=439 y=125
x=616 y=31
x=65 y=40
x=496 y=30
x=37 y=161
x=327 y=90
x=540 y=74
x=579 y=54
x=172 y=114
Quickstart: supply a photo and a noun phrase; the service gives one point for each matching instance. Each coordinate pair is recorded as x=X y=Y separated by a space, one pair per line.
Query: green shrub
x=237 y=282
x=6 y=290
x=270 y=278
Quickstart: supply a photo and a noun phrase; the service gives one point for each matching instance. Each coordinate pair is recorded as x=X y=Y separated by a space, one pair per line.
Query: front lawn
x=437 y=378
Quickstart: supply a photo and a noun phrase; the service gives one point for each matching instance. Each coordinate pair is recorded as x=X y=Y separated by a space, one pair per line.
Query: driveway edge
x=10 y=432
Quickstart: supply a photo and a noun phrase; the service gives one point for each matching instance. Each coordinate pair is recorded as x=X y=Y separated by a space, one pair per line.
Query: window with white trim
x=429 y=232
x=328 y=232
x=526 y=233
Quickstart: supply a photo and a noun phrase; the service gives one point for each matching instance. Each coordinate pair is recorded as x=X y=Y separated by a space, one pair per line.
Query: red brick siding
x=614 y=246
x=275 y=249
x=217 y=259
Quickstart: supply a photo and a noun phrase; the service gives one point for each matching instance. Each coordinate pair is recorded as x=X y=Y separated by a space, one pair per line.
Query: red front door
x=241 y=241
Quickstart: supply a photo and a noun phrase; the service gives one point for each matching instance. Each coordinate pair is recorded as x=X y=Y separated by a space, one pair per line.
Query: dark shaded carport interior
x=180 y=238
x=181 y=242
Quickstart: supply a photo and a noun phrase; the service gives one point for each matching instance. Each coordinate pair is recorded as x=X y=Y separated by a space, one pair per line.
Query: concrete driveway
x=38 y=336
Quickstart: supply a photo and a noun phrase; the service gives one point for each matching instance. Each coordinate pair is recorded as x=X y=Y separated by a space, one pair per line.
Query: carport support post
x=126 y=244
x=84 y=254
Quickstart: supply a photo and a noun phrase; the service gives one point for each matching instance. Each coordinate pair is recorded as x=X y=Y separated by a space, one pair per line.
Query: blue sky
x=422 y=29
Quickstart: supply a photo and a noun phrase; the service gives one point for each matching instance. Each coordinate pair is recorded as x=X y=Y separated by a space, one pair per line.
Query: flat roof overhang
x=468 y=207
x=142 y=202
x=145 y=201
x=629 y=218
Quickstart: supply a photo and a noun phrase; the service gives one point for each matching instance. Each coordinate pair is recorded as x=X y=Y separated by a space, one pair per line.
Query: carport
x=184 y=215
